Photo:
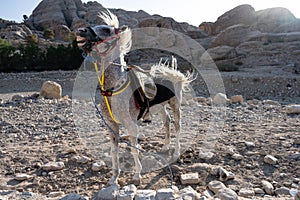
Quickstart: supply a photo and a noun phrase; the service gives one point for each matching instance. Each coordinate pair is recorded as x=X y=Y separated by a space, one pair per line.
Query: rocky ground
x=249 y=149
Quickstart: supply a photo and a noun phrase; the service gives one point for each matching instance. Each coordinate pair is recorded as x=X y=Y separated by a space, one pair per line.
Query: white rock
x=269 y=159
x=206 y=155
x=73 y=197
x=215 y=186
x=259 y=191
x=227 y=194
x=22 y=177
x=208 y=193
x=220 y=99
x=166 y=194
x=82 y=159
x=53 y=166
x=109 y=193
x=282 y=191
x=55 y=194
x=145 y=194
x=225 y=175
x=246 y=192
x=127 y=192
x=189 y=193
x=97 y=166
x=270 y=102
x=292 y=109
x=250 y=144
x=268 y=187
x=230 y=151
x=237 y=156
x=237 y=99
x=190 y=178
x=51 y=90
x=17 y=97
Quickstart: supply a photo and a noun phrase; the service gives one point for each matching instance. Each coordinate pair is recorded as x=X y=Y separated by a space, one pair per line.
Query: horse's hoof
x=175 y=157
x=136 y=180
x=113 y=181
x=165 y=148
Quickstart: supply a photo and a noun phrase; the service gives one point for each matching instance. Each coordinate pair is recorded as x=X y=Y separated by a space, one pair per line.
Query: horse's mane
x=125 y=35
x=166 y=71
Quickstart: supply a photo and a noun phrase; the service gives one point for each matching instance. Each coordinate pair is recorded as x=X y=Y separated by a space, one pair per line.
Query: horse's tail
x=165 y=71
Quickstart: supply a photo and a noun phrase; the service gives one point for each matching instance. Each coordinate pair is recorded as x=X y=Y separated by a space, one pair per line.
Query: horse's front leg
x=114 y=152
x=132 y=129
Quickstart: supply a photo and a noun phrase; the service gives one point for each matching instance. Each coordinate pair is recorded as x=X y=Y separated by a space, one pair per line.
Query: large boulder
x=268 y=20
x=243 y=14
x=51 y=90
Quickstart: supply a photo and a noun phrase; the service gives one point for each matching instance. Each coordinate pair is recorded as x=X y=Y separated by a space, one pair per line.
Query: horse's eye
x=106 y=31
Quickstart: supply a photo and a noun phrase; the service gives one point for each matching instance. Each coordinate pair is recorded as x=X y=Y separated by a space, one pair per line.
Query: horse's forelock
x=109 y=18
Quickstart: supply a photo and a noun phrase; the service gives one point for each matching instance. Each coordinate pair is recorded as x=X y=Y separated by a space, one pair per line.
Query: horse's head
x=87 y=37
x=105 y=34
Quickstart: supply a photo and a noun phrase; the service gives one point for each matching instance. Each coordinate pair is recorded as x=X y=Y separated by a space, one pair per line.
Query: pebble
x=227 y=194
x=268 y=187
x=166 y=194
x=53 y=166
x=82 y=159
x=208 y=193
x=292 y=109
x=250 y=144
x=259 y=191
x=189 y=193
x=206 y=155
x=220 y=99
x=215 y=186
x=55 y=194
x=269 y=159
x=73 y=197
x=230 y=151
x=190 y=178
x=97 y=166
x=246 y=192
x=145 y=194
x=225 y=175
x=110 y=193
x=127 y=192
x=237 y=99
x=282 y=191
x=237 y=156
x=22 y=177
x=17 y=97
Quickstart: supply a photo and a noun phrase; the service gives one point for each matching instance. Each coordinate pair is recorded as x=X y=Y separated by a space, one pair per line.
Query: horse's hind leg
x=175 y=106
x=166 y=120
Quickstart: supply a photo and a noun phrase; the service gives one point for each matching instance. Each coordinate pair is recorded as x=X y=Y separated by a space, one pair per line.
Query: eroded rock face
x=272 y=20
x=51 y=13
x=243 y=14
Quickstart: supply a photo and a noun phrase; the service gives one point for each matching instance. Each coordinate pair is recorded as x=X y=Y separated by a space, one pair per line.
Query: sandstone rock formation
x=243 y=14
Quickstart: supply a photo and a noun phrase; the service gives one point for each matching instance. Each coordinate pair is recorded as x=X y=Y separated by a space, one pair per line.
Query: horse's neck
x=112 y=75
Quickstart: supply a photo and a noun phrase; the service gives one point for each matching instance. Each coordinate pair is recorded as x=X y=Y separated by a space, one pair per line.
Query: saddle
x=145 y=91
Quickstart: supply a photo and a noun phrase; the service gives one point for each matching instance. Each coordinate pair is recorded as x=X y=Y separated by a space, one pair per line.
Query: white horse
x=124 y=99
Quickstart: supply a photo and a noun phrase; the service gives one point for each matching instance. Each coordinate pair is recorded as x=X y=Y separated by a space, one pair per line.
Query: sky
x=192 y=11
